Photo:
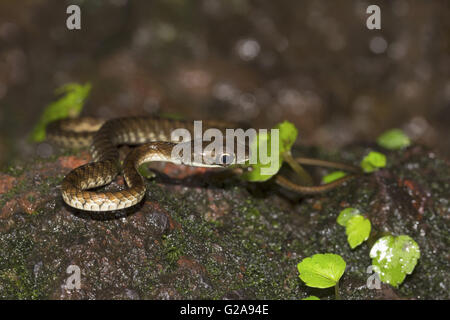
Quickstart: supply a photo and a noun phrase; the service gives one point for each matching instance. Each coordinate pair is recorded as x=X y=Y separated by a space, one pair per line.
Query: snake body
x=154 y=137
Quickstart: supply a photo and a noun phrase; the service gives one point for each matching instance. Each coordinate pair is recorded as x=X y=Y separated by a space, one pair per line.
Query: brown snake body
x=154 y=137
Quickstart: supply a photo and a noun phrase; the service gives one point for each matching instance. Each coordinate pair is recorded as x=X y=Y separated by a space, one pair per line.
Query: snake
x=153 y=141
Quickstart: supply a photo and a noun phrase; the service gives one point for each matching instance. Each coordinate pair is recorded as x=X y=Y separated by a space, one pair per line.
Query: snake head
x=213 y=154
x=228 y=155
x=238 y=155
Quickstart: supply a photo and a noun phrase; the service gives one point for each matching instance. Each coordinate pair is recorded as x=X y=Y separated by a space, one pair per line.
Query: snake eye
x=226 y=159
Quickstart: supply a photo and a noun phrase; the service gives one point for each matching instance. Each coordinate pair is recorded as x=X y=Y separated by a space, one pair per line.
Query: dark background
x=310 y=62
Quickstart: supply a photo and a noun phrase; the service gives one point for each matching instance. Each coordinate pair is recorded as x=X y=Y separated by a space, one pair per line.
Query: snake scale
x=153 y=135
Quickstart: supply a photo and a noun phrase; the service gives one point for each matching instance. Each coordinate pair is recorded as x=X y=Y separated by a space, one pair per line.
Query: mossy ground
x=206 y=236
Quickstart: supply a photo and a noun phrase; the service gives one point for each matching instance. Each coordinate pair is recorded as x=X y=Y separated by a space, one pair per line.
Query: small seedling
x=69 y=105
x=373 y=161
x=346 y=215
x=394 y=257
x=311 y=298
x=322 y=271
x=287 y=136
x=356 y=226
x=393 y=139
x=357 y=230
x=335 y=175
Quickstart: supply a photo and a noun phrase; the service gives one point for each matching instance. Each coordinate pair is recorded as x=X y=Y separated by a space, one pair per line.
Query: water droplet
x=247 y=49
x=44 y=150
x=378 y=45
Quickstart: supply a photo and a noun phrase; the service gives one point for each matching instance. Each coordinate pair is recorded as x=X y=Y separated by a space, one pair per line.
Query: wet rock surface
x=205 y=234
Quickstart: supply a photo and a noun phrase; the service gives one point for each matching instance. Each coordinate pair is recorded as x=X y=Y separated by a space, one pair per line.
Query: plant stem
x=305 y=178
x=336 y=291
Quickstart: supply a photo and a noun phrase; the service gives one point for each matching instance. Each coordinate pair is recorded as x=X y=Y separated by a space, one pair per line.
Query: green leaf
x=321 y=270
x=394 y=257
x=146 y=172
x=254 y=173
x=69 y=105
x=357 y=230
x=346 y=215
x=333 y=176
x=373 y=161
x=394 y=139
x=287 y=135
x=311 y=298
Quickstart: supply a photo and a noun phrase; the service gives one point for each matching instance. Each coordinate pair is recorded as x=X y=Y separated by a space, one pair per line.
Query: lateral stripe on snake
x=154 y=137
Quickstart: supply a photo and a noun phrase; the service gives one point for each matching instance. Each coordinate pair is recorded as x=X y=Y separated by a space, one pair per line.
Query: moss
x=16 y=190
x=171 y=251
x=17 y=278
x=31 y=198
x=250 y=249
x=49 y=183
x=15 y=170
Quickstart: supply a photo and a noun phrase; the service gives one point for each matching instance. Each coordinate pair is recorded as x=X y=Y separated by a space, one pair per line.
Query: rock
x=8 y=209
x=72 y=162
x=197 y=236
x=6 y=182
